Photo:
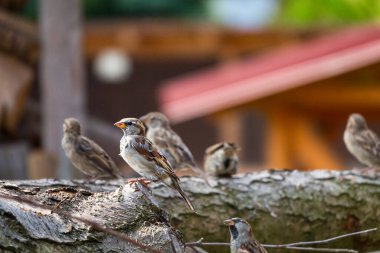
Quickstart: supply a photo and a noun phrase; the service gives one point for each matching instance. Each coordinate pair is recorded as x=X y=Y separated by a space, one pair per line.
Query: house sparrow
x=221 y=159
x=167 y=141
x=362 y=142
x=242 y=238
x=85 y=154
x=143 y=156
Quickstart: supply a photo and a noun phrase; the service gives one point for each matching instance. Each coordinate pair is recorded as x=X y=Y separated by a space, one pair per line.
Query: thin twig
x=323 y=249
x=197 y=243
x=293 y=245
x=89 y=222
x=320 y=241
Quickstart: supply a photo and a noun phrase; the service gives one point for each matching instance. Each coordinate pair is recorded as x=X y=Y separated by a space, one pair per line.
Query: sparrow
x=221 y=159
x=143 y=156
x=242 y=238
x=169 y=143
x=85 y=154
x=362 y=142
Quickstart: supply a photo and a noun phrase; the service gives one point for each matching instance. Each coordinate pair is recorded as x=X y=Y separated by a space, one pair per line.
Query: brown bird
x=169 y=143
x=221 y=159
x=242 y=238
x=143 y=156
x=362 y=142
x=85 y=154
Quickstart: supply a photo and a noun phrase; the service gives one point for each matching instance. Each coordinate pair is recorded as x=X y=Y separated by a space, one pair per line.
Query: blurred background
x=278 y=77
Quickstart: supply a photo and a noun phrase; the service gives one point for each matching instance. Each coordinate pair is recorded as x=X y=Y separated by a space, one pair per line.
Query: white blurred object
x=112 y=65
x=243 y=14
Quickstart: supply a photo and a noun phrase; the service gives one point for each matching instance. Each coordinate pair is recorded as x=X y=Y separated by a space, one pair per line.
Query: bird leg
x=141 y=180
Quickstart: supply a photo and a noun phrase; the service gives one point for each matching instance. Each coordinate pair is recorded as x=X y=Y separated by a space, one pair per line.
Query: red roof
x=233 y=84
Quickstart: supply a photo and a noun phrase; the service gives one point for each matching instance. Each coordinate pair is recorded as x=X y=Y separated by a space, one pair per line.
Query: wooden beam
x=334 y=95
x=168 y=39
x=62 y=77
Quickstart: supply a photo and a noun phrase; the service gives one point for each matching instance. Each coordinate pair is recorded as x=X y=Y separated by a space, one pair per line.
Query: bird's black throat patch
x=234 y=232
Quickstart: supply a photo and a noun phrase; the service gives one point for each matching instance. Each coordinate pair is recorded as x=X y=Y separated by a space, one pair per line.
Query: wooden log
x=282 y=206
x=26 y=228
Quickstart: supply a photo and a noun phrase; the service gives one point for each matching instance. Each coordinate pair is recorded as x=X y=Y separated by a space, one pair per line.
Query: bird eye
x=129 y=123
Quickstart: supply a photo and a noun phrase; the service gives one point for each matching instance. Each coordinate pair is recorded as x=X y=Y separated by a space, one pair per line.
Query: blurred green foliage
x=136 y=8
x=293 y=13
x=320 y=13
x=131 y=8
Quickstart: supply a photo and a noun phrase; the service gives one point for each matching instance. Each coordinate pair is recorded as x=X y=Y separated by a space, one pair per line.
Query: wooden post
x=62 y=83
x=278 y=139
x=312 y=148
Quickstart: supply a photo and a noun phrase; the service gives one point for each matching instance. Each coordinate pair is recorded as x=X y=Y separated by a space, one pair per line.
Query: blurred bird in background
x=144 y=157
x=242 y=238
x=362 y=142
x=221 y=159
x=85 y=154
x=169 y=143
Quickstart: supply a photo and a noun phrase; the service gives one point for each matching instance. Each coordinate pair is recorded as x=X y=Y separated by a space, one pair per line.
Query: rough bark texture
x=282 y=206
x=28 y=229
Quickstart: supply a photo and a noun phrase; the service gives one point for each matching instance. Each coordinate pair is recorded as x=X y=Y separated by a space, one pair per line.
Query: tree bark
x=282 y=207
x=25 y=228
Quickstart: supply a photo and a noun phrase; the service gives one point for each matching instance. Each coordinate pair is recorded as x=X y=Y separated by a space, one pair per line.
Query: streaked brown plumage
x=168 y=142
x=143 y=156
x=85 y=154
x=242 y=238
x=362 y=142
x=221 y=159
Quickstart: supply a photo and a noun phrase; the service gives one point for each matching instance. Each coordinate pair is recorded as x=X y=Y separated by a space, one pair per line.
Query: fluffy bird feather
x=85 y=154
x=362 y=142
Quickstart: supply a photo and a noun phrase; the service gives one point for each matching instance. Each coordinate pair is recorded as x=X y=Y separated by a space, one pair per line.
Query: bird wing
x=145 y=148
x=180 y=148
x=96 y=155
x=214 y=148
x=252 y=247
x=369 y=141
x=171 y=144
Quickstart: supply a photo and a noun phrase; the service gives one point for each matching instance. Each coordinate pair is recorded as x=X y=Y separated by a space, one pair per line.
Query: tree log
x=25 y=228
x=282 y=207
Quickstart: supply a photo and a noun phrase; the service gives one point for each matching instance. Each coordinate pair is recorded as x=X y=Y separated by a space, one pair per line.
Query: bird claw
x=144 y=182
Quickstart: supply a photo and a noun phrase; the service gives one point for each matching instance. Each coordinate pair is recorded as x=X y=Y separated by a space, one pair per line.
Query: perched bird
x=221 y=159
x=167 y=141
x=362 y=142
x=85 y=154
x=143 y=156
x=242 y=238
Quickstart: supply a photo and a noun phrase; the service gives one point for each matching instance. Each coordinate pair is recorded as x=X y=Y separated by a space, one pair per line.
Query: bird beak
x=229 y=222
x=120 y=124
